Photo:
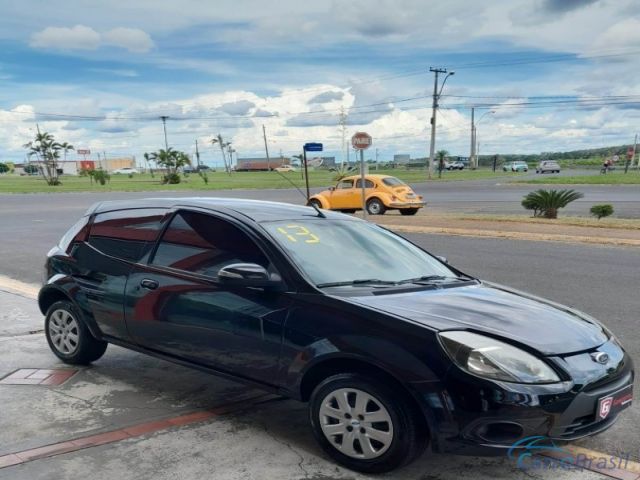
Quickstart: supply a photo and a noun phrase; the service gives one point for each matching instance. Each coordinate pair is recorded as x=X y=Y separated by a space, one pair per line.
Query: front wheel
x=409 y=211
x=376 y=207
x=69 y=338
x=364 y=425
x=315 y=203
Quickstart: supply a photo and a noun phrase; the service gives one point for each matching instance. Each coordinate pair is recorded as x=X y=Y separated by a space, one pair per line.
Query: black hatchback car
x=393 y=349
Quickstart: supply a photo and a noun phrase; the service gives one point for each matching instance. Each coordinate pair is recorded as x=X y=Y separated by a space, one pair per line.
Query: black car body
x=131 y=272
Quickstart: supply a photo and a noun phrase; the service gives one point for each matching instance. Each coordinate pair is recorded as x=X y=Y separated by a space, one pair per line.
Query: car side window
x=203 y=244
x=367 y=183
x=345 y=184
x=126 y=234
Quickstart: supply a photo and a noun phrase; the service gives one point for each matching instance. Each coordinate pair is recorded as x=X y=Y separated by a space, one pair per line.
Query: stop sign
x=361 y=140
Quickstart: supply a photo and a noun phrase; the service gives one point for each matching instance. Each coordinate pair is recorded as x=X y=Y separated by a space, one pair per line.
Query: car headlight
x=496 y=360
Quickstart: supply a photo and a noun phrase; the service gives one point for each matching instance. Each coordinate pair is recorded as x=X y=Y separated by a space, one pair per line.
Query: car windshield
x=346 y=251
x=392 y=182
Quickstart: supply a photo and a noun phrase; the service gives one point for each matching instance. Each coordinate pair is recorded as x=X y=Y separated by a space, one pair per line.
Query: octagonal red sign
x=361 y=140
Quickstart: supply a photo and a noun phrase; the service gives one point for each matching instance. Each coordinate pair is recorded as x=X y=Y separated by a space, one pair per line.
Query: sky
x=543 y=75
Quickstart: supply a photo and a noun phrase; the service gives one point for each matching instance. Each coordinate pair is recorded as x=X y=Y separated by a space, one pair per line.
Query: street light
x=476 y=147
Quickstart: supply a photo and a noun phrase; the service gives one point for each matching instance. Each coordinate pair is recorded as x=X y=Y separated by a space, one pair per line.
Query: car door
x=344 y=196
x=176 y=305
x=116 y=240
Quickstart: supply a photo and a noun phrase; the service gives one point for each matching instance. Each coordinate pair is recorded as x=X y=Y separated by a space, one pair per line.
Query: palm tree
x=441 y=155
x=65 y=147
x=47 y=151
x=547 y=202
x=172 y=160
x=147 y=160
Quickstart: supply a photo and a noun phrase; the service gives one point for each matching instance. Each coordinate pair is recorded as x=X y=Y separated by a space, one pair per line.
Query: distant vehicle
x=515 y=167
x=382 y=193
x=458 y=165
x=548 y=166
x=126 y=171
x=286 y=168
x=257 y=165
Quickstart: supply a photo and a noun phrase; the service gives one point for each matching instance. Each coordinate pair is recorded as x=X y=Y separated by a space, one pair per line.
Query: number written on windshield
x=295 y=233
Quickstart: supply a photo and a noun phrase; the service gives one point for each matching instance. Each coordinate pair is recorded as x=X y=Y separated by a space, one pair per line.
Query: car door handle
x=149 y=284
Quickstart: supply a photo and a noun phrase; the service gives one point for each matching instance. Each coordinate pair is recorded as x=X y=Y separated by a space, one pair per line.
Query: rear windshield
x=392 y=182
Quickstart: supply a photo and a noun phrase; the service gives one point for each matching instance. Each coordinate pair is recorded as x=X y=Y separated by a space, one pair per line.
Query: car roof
x=371 y=177
x=257 y=210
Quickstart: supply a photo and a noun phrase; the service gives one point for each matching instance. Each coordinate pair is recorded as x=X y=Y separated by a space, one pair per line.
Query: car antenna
x=313 y=205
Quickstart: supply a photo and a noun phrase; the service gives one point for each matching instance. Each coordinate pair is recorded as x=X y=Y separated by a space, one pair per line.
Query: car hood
x=549 y=328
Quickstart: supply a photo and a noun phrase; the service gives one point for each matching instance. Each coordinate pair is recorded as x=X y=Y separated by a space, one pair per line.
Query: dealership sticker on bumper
x=614 y=403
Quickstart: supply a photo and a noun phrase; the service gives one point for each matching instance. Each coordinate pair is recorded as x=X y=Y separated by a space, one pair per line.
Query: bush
x=171 y=179
x=204 y=177
x=4 y=168
x=30 y=169
x=546 y=203
x=101 y=176
x=601 y=211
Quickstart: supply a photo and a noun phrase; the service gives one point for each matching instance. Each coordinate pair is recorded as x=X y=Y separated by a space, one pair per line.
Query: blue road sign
x=313 y=147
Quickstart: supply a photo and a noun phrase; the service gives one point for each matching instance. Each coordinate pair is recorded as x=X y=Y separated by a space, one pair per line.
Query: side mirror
x=442 y=259
x=246 y=275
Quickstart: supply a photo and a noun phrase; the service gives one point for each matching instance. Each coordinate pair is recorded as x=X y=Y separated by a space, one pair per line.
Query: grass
x=617 y=177
x=619 y=223
x=218 y=181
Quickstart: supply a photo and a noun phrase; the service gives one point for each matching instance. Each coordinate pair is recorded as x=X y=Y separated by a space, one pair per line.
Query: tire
x=409 y=211
x=68 y=337
x=350 y=210
x=399 y=436
x=316 y=202
x=376 y=207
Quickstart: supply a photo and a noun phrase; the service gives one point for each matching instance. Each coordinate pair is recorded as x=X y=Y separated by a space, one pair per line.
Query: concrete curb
x=538 y=237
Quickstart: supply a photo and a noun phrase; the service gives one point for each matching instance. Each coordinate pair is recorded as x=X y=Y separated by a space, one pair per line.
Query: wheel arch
x=323 y=369
x=50 y=295
x=323 y=201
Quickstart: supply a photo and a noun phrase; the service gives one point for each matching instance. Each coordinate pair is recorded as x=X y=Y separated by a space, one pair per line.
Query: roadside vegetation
x=617 y=177
x=219 y=180
x=546 y=203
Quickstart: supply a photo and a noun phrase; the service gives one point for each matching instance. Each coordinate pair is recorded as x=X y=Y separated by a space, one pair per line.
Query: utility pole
x=306 y=172
x=104 y=157
x=197 y=155
x=436 y=96
x=343 y=131
x=164 y=126
x=266 y=148
x=376 y=159
x=633 y=156
x=472 y=153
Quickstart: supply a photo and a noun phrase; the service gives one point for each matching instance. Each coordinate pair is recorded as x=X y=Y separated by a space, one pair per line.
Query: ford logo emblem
x=600 y=357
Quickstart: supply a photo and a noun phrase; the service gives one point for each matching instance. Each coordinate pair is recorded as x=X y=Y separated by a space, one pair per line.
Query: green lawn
x=219 y=181
x=611 y=178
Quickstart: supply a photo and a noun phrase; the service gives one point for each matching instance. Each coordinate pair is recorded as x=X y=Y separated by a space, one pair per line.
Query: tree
x=172 y=160
x=65 y=147
x=47 y=152
x=547 y=202
x=441 y=155
x=147 y=160
x=4 y=168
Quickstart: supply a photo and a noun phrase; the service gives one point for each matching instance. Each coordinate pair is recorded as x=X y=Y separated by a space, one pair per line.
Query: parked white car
x=286 y=168
x=126 y=171
x=548 y=166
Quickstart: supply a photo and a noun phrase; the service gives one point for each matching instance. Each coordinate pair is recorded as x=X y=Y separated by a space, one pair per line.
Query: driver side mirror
x=247 y=275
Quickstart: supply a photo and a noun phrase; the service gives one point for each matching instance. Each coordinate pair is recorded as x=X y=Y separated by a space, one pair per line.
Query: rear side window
x=202 y=244
x=392 y=182
x=126 y=234
x=367 y=183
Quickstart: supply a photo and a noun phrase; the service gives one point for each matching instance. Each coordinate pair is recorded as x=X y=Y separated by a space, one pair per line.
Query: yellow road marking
x=21 y=288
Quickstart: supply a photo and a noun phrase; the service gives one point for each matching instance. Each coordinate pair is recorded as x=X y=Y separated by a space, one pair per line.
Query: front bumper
x=478 y=417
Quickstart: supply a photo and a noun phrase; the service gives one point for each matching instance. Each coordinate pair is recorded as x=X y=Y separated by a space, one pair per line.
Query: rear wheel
x=364 y=425
x=408 y=211
x=375 y=207
x=69 y=338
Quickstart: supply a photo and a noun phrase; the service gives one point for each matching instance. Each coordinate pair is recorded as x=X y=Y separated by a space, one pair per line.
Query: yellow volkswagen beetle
x=382 y=193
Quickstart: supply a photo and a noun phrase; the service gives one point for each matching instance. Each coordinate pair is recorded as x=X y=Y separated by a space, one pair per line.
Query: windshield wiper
x=431 y=278
x=362 y=281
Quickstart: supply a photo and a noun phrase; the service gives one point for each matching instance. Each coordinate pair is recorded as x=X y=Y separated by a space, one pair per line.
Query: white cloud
x=132 y=39
x=79 y=37
x=82 y=37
